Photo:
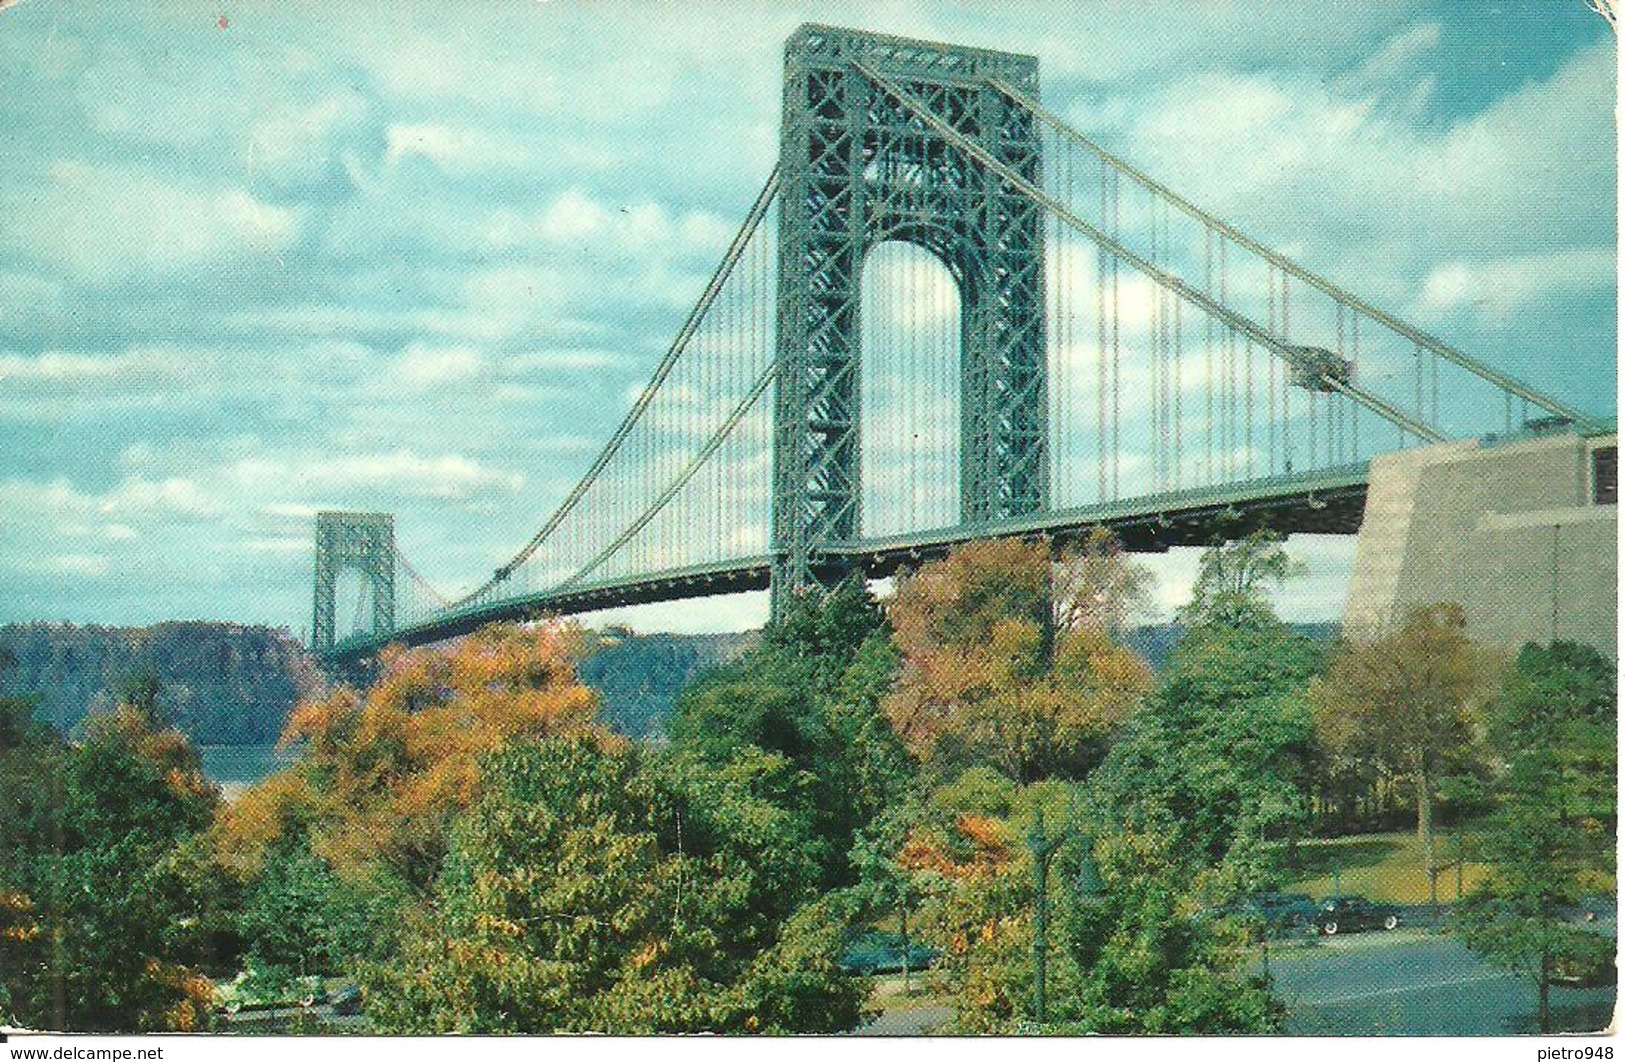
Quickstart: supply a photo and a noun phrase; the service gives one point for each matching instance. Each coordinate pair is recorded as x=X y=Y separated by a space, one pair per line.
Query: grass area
x=1389 y=867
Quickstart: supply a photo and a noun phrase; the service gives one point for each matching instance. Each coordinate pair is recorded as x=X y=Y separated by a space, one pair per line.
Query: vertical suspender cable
x=1170 y=357
x=1117 y=376
x=1153 y=351
x=1100 y=321
x=1227 y=338
x=1207 y=346
x=1354 y=360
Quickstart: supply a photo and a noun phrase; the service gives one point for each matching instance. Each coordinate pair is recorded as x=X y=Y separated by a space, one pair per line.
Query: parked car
x=877 y=952
x=1271 y=912
x=1286 y=910
x=1351 y=914
x=345 y=999
x=1588 y=964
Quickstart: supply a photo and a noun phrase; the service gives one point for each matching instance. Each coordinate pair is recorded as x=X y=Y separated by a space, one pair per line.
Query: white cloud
x=297 y=141
x=103 y=221
x=134 y=496
x=1292 y=159
x=443 y=476
x=1503 y=287
x=137 y=455
x=53 y=365
x=276 y=545
x=289 y=510
x=454 y=149
x=561 y=359
x=1396 y=64
x=172 y=496
x=86 y=565
x=425 y=366
x=575 y=216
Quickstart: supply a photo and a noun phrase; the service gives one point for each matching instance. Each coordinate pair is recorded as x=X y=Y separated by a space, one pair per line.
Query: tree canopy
x=105 y=901
x=987 y=676
x=1550 y=839
x=587 y=890
x=1410 y=697
x=384 y=771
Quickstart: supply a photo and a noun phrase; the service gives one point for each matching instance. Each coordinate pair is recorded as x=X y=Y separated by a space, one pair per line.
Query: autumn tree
x=995 y=671
x=1094 y=585
x=1410 y=698
x=326 y=853
x=384 y=770
x=1550 y=839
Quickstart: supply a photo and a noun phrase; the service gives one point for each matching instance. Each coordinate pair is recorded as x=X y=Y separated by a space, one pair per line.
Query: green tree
x=1145 y=966
x=1124 y=955
x=142 y=692
x=1219 y=758
x=101 y=879
x=1550 y=839
x=1234 y=580
x=590 y=889
x=810 y=693
x=300 y=917
x=1409 y=698
x=887 y=884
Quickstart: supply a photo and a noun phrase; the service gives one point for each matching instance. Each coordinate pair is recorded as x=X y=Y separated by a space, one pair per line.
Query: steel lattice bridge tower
x=949 y=315
x=858 y=168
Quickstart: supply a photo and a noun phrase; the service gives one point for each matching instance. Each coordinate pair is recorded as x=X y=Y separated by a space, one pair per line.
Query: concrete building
x=1522 y=532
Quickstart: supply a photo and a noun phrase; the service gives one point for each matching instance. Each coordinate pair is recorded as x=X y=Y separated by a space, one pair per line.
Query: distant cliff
x=231 y=685
x=638 y=676
x=223 y=684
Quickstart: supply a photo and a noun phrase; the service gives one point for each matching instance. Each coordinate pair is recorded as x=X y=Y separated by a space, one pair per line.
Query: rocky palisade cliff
x=226 y=684
x=223 y=684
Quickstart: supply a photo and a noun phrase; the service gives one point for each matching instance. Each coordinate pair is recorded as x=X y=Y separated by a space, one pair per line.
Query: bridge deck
x=1321 y=502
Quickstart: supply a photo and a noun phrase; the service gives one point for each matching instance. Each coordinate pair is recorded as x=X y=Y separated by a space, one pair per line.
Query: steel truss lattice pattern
x=363 y=542
x=858 y=170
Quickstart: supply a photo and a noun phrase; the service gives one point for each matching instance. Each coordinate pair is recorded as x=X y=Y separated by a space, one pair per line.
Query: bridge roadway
x=1321 y=502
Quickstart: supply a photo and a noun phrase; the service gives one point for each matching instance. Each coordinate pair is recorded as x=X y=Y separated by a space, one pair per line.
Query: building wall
x=1509 y=529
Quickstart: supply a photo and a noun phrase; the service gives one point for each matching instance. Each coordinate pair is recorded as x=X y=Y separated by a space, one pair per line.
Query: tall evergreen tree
x=1550 y=839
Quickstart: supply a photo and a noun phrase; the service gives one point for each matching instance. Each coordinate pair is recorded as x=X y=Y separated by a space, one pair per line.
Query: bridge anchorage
x=949 y=315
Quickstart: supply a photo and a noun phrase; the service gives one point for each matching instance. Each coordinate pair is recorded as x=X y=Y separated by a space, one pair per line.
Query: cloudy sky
x=258 y=259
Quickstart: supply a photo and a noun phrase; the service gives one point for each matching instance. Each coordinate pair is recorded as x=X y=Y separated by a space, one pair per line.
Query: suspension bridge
x=949 y=315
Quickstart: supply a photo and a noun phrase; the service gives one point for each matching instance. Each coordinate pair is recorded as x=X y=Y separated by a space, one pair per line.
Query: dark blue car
x=876 y=952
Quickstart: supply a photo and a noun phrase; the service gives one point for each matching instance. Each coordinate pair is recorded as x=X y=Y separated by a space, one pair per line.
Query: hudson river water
x=236 y=767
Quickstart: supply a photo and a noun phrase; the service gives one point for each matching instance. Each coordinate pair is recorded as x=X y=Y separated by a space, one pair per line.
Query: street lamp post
x=1043 y=847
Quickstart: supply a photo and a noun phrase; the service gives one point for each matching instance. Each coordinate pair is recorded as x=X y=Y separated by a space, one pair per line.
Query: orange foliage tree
x=384 y=771
x=1011 y=659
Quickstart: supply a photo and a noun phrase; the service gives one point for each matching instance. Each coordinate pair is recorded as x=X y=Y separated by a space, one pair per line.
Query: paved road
x=1417 y=984
x=1406 y=983
x=908 y=1021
